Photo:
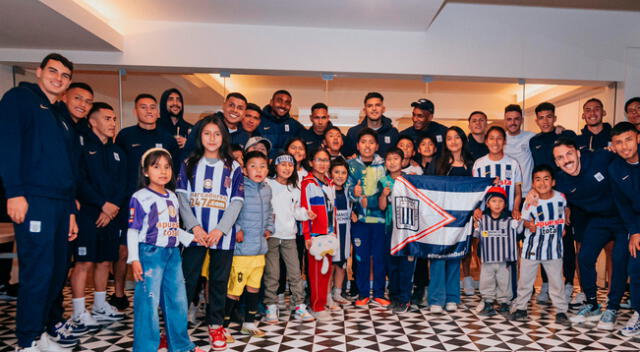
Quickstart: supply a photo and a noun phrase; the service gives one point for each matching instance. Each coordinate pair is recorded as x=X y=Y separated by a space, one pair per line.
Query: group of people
x=247 y=204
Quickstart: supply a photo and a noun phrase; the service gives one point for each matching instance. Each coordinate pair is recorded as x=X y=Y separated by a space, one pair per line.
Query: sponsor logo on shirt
x=387 y=139
x=286 y=127
x=439 y=138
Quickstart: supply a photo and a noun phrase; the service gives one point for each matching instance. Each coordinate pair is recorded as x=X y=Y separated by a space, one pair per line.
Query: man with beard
x=251 y=119
x=517 y=145
x=171 y=116
x=374 y=119
x=320 y=123
x=135 y=141
x=595 y=134
x=632 y=109
x=277 y=125
x=584 y=179
x=423 y=124
x=79 y=99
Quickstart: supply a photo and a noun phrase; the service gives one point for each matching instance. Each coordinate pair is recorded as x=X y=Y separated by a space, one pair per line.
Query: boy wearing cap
x=497 y=232
x=423 y=124
x=544 y=223
x=258 y=143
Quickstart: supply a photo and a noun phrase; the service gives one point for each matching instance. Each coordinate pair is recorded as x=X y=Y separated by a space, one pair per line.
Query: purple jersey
x=155 y=217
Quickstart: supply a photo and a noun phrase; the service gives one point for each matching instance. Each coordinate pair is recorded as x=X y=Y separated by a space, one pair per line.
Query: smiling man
x=172 y=116
x=320 y=124
x=595 y=134
x=374 y=119
x=79 y=99
x=542 y=143
x=632 y=110
x=517 y=145
x=423 y=124
x=39 y=175
x=277 y=125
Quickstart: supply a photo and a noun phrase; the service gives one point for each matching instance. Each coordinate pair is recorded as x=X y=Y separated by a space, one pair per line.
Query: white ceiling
x=399 y=15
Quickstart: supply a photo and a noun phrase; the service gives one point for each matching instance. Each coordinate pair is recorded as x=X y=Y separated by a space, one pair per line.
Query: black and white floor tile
x=377 y=329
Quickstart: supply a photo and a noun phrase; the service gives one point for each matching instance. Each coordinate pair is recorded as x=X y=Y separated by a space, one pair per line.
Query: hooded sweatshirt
x=387 y=137
x=437 y=130
x=165 y=122
x=39 y=149
x=592 y=141
x=278 y=130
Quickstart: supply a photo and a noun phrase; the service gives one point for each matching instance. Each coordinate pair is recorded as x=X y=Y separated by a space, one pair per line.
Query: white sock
x=337 y=291
x=99 y=299
x=78 y=307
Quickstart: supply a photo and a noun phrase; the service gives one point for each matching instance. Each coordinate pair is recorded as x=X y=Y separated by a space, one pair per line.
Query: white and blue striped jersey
x=507 y=170
x=549 y=217
x=498 y=242
x=155 y=217
x=210 y=190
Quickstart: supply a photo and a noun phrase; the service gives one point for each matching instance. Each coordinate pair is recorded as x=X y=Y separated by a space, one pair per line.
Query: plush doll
x=321 y=246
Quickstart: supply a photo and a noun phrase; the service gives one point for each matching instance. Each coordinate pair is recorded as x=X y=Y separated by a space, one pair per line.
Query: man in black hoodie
x=595 y=134
x=277 y=125
x=423 y=124
x=171 y=116
x=79 y=99
x=374 y=118
x=39 y=175
x=320 y=123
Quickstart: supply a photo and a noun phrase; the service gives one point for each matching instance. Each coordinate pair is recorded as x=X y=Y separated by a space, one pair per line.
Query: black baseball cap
x=424 y=104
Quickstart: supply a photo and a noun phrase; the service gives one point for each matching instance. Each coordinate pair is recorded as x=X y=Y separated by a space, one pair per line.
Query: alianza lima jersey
x=549 y=217
x=506 y=169
x=498 y=242
x=210 y=190
x=155 y=217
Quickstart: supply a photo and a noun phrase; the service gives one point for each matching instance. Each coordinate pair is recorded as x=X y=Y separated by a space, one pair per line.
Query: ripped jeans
x=162 y=285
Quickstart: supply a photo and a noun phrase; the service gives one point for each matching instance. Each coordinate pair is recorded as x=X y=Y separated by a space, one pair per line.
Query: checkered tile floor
x=377 y=329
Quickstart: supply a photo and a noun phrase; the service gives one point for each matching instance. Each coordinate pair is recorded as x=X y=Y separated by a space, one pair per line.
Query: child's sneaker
x=271 y=314
x=301 y=313
x=451 y=307
x=504 y=308
x=217 y=339
x=520 y=315
x=467 y=285
x=401 y=308
x=381 y=302
x=76 y=329
x=362 y=302
x=163 y=346
x=85 y=320
x=608 y=320
x=435 y=309
x=543 y=296
x=487 y=310
x=633 y=326
x=587 y=313
x=562 y=319
x=252 y=330
x=106 y=313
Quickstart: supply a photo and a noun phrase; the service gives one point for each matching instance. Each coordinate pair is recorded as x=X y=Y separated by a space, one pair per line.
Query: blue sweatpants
x=634 y=279
x=598 y=232
x=401 y=270
x=444 y=286
x=370 y=244
x=42 y=241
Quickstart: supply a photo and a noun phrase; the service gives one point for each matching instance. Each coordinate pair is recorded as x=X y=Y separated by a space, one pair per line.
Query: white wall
x=6 y=78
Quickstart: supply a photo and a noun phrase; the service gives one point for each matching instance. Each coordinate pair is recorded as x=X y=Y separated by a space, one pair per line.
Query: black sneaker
x=487 y=310
x=562 y=319
x=400 y=308
x=121 y=303
x=504 y=308
x=520 y=315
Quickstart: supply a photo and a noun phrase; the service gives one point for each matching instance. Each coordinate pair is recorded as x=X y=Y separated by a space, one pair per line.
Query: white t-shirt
x=517 y=147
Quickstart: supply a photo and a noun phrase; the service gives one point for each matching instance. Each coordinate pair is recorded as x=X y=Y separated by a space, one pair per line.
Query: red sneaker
x=217 y=339
x=362 y=302
x=163 y=343
x=381 y=302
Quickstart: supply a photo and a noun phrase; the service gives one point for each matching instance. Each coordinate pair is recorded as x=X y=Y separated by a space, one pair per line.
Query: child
x=285 y=201
x=153 y=238
x=365 y=172
x=543 y=245
x=254 y=227
x=211 y=193
x=258 y=143
x=427 y=149
x=339 y=173
x=318 y=195
x=298 y=149
x=497 y=232
x=409 y=166
x=333 y=141
x=401 y=267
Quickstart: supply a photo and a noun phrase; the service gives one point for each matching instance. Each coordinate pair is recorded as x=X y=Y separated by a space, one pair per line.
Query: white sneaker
x=191 y=314
x=301 y=313
x=33 y=348
x=106 y=313
x=451 y=307
x=271 y=315
x=543 y=296
x=435 y=309
x=568 y=292
x=467 y=285
x=86 y=320
x=47 y=345
x=323 y=315
x=633 y=326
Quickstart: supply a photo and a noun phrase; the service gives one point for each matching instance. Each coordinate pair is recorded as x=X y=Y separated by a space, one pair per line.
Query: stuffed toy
x=321 y=246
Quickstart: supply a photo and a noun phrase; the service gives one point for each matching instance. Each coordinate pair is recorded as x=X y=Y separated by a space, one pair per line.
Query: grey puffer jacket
x=254 y=219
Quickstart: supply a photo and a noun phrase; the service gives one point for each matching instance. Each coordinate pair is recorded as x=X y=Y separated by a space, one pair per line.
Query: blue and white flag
x=432 y=215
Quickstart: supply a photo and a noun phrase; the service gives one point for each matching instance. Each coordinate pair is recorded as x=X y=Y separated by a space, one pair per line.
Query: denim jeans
x=444 y=286
x=162 y=284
